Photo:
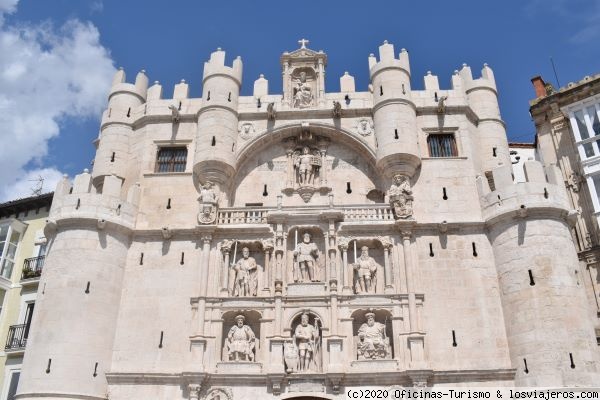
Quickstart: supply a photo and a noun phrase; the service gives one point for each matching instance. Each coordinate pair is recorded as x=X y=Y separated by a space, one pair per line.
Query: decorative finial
x=65 y=176
x=120 y=68
x=218 y=49
x=371 y=55
x=182 y=81
x=485 y=64
x=345 y=72
x=156 y=82
x=303 y=43
x=464 y=65
x=455 y=72
x=143 y=71
x=261 y=76
x=428 y=72
x=385 y=42
x=86 y=171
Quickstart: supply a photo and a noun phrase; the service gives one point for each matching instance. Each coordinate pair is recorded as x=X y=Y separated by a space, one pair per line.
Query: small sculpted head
x=306 y=238
x=364 y=252
x=370 y=319
x=245 y=252
x=304 y=319
x=239 y=320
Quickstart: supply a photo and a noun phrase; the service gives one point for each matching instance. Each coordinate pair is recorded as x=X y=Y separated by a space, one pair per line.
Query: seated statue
x=373 y=341
x=240 y=341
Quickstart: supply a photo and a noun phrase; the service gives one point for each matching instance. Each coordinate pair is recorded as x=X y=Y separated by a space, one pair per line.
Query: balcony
x=32 y=268
x=17 y=337
x=351 y=213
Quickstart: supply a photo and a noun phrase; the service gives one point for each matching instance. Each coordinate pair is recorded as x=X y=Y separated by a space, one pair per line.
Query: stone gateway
x=305 y=243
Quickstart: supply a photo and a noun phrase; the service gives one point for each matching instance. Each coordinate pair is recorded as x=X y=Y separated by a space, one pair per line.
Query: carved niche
x=303 y=77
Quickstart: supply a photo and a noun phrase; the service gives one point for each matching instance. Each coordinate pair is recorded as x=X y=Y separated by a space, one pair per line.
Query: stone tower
x=306 y=243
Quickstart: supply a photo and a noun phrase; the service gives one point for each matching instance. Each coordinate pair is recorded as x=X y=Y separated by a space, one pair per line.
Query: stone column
x=408 y=267
x=225 y=249
x=343 y=245
x=290 y=168
x=206 y=240
x=268 y=246
x=323 y=170
x=387 y=248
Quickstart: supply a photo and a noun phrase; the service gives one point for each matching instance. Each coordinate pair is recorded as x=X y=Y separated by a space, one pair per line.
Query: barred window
x=171 y=159
x=442 y=146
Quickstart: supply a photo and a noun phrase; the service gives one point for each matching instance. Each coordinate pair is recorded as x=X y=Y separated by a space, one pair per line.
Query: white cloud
x=46 y=74
x=24 y=187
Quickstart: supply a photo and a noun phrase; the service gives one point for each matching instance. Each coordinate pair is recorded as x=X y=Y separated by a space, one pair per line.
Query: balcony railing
x=352 y=213
x=17 y=337
x=32 y=267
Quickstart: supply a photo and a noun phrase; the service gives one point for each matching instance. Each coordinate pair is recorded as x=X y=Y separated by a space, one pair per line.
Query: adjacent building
x=567 y=123
x=22 y=252
x=299 y=244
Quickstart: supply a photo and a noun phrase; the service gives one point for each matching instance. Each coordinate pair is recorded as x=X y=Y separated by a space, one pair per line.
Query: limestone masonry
x=300 y=244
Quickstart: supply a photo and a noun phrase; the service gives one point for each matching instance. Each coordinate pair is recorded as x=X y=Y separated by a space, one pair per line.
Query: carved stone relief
x=219 y=394
x=364 y=127
x=208 y=204
x=246 y=130
x=400 y=197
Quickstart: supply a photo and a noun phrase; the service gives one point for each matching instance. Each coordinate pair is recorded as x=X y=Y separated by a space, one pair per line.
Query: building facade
x=568 y=126
x=22 y=251
x=299 y=244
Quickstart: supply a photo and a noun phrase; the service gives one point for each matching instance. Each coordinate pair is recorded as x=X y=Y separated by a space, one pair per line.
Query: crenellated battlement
x=543 y=190
x=80 y=200
x=216 y=66
x=486 y=81
x=387 y=60
x=119 y=86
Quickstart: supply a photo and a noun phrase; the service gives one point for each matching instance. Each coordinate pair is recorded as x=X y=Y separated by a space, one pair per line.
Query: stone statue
x=366 y=273
x=373 y=341
x=290 y=356
x=441 y=109
x=240 y=341
x=208 y=204
x=302 y=92
x=400 y=197
x=246 y=279
x=337 y=109
x=306 y=165
x=307 y=340
x=305 y=265
x=271 y=114
x=174 y=114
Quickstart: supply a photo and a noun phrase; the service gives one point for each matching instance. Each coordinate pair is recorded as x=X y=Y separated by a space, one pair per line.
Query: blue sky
x=53 y=92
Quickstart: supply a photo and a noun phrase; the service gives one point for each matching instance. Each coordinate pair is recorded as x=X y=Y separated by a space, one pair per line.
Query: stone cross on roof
x=303 y=43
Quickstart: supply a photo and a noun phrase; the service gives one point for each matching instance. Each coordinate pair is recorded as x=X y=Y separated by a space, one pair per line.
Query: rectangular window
x=171 y=159
x=442 y=146
x=9 y=240
x=12 y=386
x=585 y=123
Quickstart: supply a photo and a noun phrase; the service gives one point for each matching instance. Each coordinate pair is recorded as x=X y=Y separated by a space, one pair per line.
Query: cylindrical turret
x=550 y=336
x=70 y=346
x=394 y=113
x=482 y=97
x=115 y=131
x=214 y=158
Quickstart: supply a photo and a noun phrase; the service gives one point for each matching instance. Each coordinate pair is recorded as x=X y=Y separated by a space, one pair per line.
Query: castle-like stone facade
x=304 y=243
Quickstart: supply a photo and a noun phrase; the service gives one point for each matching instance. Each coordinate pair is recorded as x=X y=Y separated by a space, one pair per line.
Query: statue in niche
x=373 y=341
x=306 y=254
x=307 y=166
x=240 y=341
x=308 y=342
x=208 y=204
x=366 y=273
x=400 y=197
x=246 y=275
x=303 y=96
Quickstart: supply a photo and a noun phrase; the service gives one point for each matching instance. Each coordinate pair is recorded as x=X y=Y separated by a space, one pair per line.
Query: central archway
x=265 y=168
